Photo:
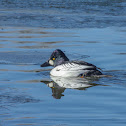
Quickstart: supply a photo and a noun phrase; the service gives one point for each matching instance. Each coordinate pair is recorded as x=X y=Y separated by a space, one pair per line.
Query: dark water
x=63 y=13
x=93 y=31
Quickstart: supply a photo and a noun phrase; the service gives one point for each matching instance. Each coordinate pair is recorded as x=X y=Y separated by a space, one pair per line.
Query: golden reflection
x=59 y=84
x=28 y=117
x=39 y=45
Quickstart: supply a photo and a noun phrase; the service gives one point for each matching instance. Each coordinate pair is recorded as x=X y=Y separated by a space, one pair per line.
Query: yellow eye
x=53 y=58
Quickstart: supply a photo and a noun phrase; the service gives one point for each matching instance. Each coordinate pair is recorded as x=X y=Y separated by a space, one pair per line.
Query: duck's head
x=56 y=58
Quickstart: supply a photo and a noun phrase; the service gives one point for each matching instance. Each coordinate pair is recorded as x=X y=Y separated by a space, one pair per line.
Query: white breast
x=69 y=69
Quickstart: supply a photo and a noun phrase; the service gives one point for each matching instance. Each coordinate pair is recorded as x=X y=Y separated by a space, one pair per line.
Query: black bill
x=45 y=64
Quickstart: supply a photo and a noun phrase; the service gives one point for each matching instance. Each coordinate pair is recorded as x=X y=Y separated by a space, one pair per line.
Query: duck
x=63 y=67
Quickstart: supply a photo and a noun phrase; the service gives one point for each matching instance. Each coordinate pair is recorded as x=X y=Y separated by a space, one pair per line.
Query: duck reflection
x=59 y=84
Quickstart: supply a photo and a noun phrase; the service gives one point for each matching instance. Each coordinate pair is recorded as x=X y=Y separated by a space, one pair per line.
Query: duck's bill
x=45 y=64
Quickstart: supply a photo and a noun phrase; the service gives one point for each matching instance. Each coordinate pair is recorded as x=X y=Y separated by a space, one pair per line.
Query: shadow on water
x=60 y=84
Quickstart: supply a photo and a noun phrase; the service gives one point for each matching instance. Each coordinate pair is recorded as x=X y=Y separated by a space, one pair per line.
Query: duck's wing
x=84 y=63
x=76 y=65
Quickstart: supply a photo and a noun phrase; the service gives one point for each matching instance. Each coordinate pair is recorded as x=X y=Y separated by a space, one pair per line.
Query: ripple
x=121 y=53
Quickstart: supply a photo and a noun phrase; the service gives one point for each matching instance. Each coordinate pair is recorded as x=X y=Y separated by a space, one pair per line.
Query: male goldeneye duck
x=65 y=68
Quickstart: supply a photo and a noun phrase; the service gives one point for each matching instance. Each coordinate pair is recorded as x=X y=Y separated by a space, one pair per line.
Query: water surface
x=90 y=31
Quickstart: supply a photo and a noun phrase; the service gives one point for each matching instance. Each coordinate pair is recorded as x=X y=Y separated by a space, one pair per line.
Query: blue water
x=89 y=31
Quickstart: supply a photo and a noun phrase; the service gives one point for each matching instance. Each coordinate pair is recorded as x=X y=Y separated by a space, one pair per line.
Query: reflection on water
x=26 y=38
x=59 y=84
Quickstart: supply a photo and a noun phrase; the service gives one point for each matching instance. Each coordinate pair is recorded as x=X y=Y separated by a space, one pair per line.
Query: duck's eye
x=53 y=58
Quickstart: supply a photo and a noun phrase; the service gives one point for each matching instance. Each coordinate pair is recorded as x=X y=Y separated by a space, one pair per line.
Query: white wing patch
x=72 y=67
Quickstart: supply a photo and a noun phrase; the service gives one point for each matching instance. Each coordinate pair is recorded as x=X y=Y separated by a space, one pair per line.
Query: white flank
x=69 y=69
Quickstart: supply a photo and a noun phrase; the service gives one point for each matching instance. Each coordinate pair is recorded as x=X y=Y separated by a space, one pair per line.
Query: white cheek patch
x=51 y=62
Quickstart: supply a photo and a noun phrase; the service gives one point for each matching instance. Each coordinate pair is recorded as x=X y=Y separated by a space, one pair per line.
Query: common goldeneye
x=65 y=68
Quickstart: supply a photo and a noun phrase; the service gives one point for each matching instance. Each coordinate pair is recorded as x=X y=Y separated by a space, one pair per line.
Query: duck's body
x=74 y=69
x=65 y=68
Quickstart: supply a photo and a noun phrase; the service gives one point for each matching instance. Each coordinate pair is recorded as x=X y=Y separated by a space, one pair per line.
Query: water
x=93 y=31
